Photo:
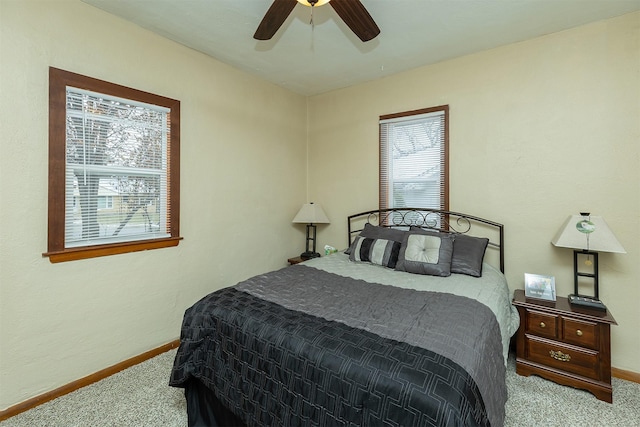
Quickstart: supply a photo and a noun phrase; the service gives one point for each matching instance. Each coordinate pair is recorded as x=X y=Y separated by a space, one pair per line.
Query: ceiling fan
x=352 y=12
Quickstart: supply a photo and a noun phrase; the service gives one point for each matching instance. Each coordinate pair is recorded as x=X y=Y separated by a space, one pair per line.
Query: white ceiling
x=329 y=56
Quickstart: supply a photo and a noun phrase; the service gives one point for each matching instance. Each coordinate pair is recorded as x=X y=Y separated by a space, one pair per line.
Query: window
x=114 y=168
x=105 y=202
x=414 y=159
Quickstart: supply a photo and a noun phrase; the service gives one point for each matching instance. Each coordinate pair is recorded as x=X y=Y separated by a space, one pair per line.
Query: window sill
x=74 y=254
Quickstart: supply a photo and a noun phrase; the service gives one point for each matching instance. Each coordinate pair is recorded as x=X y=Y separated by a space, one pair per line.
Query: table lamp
x=586 y=235
x=311 y=214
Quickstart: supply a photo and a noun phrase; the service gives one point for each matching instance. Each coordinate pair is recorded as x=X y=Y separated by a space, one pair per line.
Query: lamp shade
x=587 y=233
x=311 y=213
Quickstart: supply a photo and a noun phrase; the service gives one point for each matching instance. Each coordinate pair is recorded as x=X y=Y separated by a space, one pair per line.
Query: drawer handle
x=579 y=333
x=542 y=325
x=558 y=355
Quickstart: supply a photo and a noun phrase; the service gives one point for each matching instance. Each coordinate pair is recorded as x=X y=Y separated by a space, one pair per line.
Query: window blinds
x=116 y=169
x=413 y=159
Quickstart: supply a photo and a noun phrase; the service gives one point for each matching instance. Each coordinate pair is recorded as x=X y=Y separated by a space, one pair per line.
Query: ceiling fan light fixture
x=352 y=13
x=316 y=3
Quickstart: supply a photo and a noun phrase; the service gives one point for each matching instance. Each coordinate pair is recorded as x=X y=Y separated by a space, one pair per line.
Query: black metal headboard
x=432 y=219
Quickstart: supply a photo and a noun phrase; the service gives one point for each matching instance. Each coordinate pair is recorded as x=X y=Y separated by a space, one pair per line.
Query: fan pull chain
x=311 y=21
x=311 y=35
x=312 y=3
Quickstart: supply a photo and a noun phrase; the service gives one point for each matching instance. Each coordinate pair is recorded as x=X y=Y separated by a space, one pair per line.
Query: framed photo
x=540 y=287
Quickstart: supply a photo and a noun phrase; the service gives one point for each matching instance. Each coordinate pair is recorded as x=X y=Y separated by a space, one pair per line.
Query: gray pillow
x=468 y=253
x=377 y=232
x=426 y=252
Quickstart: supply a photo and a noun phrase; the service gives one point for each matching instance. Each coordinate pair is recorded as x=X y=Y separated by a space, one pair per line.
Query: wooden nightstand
x=565 y=344
x=294 y=260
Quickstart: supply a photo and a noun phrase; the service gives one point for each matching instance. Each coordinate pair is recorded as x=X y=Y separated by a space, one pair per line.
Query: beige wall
x=528 y=122
x=539 y=130
x=243 y=179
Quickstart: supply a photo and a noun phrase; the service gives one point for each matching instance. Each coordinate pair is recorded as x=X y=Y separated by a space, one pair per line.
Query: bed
x=409 y=326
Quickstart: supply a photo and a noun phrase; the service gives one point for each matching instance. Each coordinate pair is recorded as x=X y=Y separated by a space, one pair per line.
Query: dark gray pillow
x=376 y=251
x=426 y=252
x=468 y=253
x=377 y=232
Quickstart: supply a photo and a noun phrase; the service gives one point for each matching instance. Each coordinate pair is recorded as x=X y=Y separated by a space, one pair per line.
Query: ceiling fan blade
x=274 y=18
x=354 y=14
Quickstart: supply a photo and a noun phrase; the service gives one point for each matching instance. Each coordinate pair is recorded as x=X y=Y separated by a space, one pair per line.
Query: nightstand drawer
x=567 y=358
x=542 y=324
x=580 y=333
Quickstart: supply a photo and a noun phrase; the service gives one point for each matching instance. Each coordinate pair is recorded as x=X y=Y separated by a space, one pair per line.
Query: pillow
x=426 y=252
x=376 y=251
x=468 y=253
x=378 y=232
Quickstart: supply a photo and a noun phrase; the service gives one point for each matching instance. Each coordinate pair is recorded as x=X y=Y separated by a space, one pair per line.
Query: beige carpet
x=140 y=396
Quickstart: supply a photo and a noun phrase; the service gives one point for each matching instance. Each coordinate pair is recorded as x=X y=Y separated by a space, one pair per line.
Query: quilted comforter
x=303 y=346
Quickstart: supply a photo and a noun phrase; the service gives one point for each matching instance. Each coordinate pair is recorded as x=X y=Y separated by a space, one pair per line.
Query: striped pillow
x=376 y=251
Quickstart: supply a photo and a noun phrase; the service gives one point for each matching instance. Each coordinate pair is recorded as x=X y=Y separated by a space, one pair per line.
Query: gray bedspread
x=491 y=289
x=459 y=328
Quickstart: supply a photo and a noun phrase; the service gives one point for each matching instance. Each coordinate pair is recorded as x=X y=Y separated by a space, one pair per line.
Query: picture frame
x=540 y=287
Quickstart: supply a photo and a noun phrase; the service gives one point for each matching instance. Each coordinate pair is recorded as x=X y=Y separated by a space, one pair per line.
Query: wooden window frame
x=383 y=186
x=56 y=251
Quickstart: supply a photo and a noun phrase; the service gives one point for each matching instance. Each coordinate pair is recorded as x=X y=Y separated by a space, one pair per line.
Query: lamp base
x=587 y=302
x=309 y=255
